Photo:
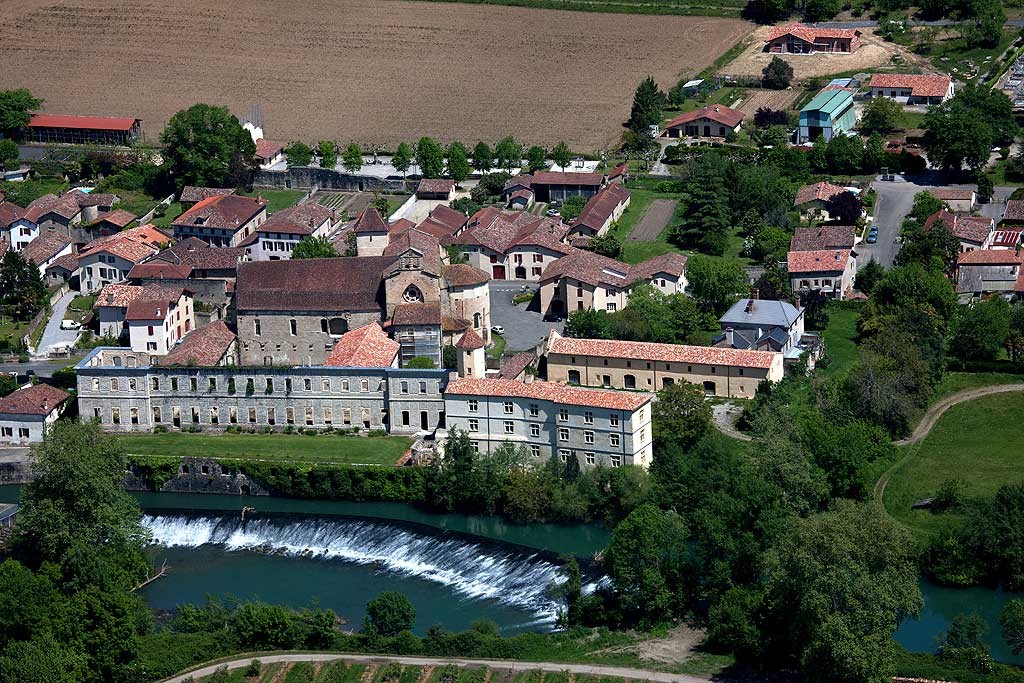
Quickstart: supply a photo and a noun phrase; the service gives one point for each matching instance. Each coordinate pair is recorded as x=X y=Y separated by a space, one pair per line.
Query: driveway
x=53 y=335
x=893 y=203
x=524 y=325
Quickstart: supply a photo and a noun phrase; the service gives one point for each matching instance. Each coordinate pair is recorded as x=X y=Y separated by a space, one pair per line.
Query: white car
x=70 y=325
x=497 y=329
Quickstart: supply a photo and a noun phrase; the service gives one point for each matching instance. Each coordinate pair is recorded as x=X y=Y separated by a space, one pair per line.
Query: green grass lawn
x=172 y=211
x=912 y=119
x=635 y=252
x=840 y=340
x=277 y=199
x=949 y=53
x=978 y=442
x=953 y=382
x=79 y=307
x=24 y=192
x=324 y=448
x=135 y=201
x=725 y=96
x=497 y=347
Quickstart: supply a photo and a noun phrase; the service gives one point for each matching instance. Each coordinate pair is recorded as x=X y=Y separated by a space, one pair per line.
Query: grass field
x=978 y=442
x=277 y=199
x=840 y=340
x=325 y=448
x=172 y=211
x=24 y=192
x=635 y=252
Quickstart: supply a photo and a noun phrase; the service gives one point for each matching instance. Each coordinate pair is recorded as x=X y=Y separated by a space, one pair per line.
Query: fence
x=152 y=212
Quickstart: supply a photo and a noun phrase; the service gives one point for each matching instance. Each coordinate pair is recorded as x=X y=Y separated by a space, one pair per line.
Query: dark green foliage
x=536 y=159
x=388 y=614
x=458 y=161
x=207 y=146
x=22 y=292
x=254 y=668
x=351 y=158
x=868 y=276
x=16 y=107
x=9 y=383
x=8 y=155
x=882 y=115
x=771 y=245
x=965 y=127
x=493 y=183
x=314 y=247
x=773 y=284
x=777 y=74
x=681 y=416
x=714 y=283
x=1012 y=621
x=979 y=331
x=421 y=362
x=561 y=154
x=402 y=158
x=328 y=152
x=572 y=207
x=449 y=357
x=986 y=188
x=606 y=245
x=430 y=158
x=483 y=157
x=588 y=323
x=648 y=102
x=466 y=205
x=508 y=154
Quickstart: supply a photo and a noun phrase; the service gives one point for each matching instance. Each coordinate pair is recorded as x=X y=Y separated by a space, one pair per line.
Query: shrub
x=253 y=670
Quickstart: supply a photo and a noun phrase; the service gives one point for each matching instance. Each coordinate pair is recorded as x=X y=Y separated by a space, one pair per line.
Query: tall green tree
x=681 y=416
x=388 y=614
x=715 y=283
x=777 y=74
x=882 y=115
x=22 y=292
x=572 y=207
x=508 y=154
x=483 y=157
x=536 y=159
x=298 y=153
x=314 y=247
x=875 y=156
x=16 y=107
x=648 y=103
x=8 y=154
x=352 y=158
x=430 y=158
x=1012 y=621
x=588 y=323
x=207 y=146
x=979 y=331
x=561 y=155
x=868 y=276
x=458 y=162
x=328 y=152
x=983 y=22
x=402 y=158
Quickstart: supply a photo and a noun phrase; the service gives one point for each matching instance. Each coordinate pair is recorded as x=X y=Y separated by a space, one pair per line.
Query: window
x=563 y=414
x=588 y=437
x=364 y=385
x=233 y=415
x=328 y=416
x=423 y=387
x=510 y=427
x=156 y=414
x=475 y=445
x=271 y=416
x=613 y=420
x=507 y=407
x=193 y=384
x=534 y=410
x=309 y=416
x=307 y=384
x=474 y=425
x=289 y=415
x=405 y=387
x=154 y=383
x=611 y=307
x=613 y=440
x=7 y=431
x=344 y=385
x=113 y=384
x=150 y=330
x=535 y=451
x=252 y=415
x=474 y=405
x=135 y=416
x=588 y=417
x=326 y=385
x=256 y=327
x=22 y=432
x=589 y=457
x=293 y=327
x=563 y=454
x=132 y=384
x=563 y=433
x=213 y=384
x=195 y=414
x=405 y=418
x=616 y=460
x=534 y=430
x=214 y=417
x=269 y=389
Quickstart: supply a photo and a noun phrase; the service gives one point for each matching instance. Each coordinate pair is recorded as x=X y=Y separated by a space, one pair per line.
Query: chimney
x=158 y=311
x=836 y=256
x=528 y=378
x=46 y=404
x=110 y=299
x=729 y=336
x=750 y=304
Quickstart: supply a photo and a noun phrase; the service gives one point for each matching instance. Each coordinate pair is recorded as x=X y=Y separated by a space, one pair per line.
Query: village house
x=191 y=195
x=761 y=325
x=443 y=222
x=277 y=236
x=989 y=271
x=645 y=366
x=155 y=325
x=521 y=199
x=63 y=269
x=713 y=120
x=584 y=280
x=1006 y=239
x=15 y=227
x=46 y=248
x=912 y=89
x=593 y=426
x=830 y=113
x=26 y=413
x=108 y=260
x=113 y=300
x=814 y=202
x=512 y=245
x=205 y=261
x=958 y=200
x=469 y=301
x=372 y=234
x=823 y=237
x=436 y=188
x=110 y=222
x=549 y=186
x=222 y=220
x=829 y=273
x=269 y=153
x=51 y=211
x=799 y=39
x=973 y=232
x=602 y=210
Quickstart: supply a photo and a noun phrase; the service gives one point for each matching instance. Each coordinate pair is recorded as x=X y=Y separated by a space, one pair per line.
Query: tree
x=983 y=23
x=648 y=102
x=681 y=415
x=314 y=247
x=770 y=245
x=573 y=589
x=508 y=153
x=706 y=222
x=1012 y=621
x=352 y=158
x=588 y=323
x=843 y=154
x=402 y=158
x=298 y=153
x=22 y=292
x=882 y=115
x=715 y=283
x=966 y=631
x=868 y=276
x=777 y=75
x=606 y=245
x=572 y=207
x=962 y=129
x=483 y=157
x=388 y=614
x=561 y=155
x=838 y=585
x=773 y=283
x=536 y=159
x=818 y=156
x=846 y=207
x=821 y=10
x=328 y=152
x=980 y=330
x=458 y=163
x=207 y=146
x=16 y=107
x=430 y=158
x=986 y=188
x=766 y=117
x=875 y=157
x=466 y=205
x=8 y=154
x=770 y=11
x=381 y=204
x=421 y=363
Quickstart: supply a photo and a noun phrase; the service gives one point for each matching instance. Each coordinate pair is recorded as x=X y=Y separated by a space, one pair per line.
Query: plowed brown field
x=354 y=70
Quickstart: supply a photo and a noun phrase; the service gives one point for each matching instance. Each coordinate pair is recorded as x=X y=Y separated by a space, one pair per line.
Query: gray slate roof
x=765 y=312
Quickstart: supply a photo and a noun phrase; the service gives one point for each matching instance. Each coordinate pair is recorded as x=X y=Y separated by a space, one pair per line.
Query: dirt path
x=654 y=220
x=591 y=669
x=724 y=415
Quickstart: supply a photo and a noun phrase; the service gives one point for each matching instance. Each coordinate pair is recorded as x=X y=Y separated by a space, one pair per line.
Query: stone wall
x=310 y=345
x=307 y=177
x=16 y=472
x=199 y=475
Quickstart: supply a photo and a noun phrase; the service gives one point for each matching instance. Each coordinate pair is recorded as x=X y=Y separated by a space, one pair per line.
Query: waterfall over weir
x=477 y=570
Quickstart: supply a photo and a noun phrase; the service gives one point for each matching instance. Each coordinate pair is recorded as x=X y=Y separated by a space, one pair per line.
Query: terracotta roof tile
x=365 y=347
x=823 y=237
x=825 y=192
x=45 y=246
x=38 y=399
x=716 y=112
x=224 y=212
x=470 y=341
x=192 y=193
x=204 y=347
x=416 y=240
x=85 y=122
x=513 y=367
x=65 y=206
x=146 y=308
x=565 y=178
x=966 y=228
x=549 y=391
x=68 y=262
x=602 y=206
x=435 y=186
x=464 y=275
x=198 y=254
x=666 y=353
x=952 y=194
x=979 y=257
x=808 y=33
x=303 y=219
x=323 y=285
x=369 y=220
x=266 y=149
x=920 y=85
x=159 y=270
x=118 y=218
x=1014 y=210
x=10 y=212
x=131 y=245
x=826 y=261
x=421 y=313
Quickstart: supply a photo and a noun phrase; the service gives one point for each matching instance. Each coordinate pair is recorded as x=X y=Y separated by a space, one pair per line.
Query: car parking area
x=524 y=325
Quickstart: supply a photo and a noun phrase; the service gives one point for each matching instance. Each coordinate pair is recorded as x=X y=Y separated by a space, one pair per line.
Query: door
x=707 y=131
x=498 y=272
x=710 y=389
x=423 y=420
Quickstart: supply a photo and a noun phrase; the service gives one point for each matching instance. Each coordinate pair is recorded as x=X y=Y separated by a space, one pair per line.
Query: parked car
x=497 y=329
x=872 y=237
x=552 y=213
x=70 y=325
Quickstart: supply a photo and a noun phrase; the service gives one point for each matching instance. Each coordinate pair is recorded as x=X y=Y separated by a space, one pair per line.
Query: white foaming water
x=519 y=580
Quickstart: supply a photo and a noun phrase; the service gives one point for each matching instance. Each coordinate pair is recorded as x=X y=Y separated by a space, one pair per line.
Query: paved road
x=41 y=368
x=593 y=669
x=524 y=325
x=53 y=335
x=893 y=203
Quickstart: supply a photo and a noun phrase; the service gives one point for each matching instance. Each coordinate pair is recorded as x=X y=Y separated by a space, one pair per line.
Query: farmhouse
x=442 y=222
x=830 y=113
x=974 y=232
x=912 y=89
x=645 y=366
x=26 y=413
x=269 y=153
x=53 y=211
x=601 y=211
x=551 y=186
x=83 y=130
x=277 y=236
x=815 y=201
x=827 y=273
x=108 y=260
x=989 y=271
x=512 y=244
x=798 y=38
x=222 y=220
x=960 y=200
x=593 y=426
x=713 y=120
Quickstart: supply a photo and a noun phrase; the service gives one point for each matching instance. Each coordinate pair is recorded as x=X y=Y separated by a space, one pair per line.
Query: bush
x=254 y=668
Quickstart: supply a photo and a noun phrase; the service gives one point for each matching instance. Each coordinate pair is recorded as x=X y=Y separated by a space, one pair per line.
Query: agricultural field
x=756 y=98
x=365 y=71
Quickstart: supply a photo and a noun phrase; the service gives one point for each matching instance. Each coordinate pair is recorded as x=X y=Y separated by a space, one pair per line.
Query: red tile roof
x=224 y=212
x=38 y=399
x=469 y=341
x=808 y=33
x=920 y=85
x=203 y=347
x=416 y=240
x=672 y=263
x=435 y=186
x=151 y=309
x=159 y=270
x=1014 y=210
x=1008 y=239
x=400 y=225
x=65 y=206
x=191 y=193
x=965 y=228
x=718 y=113
x=68 y=262
x=825 y=261
x=513 y=367
x=500 y=231
x=45 y=246
x=266 y=149
x=602 y=206
x=549 y=391
x=86 y=122
x=464 y=275
x=446 y=217
x=822 y=191
x=421 y=313
x=9 y=212
x=822 y=237
x=369 y=220
x=118 y=295
x=194 y=252
x=118 y=218
x=565 y=178
x=131 y=245
x=951 y=194
x=365 y=347
x=989 y=257
x=662 y=353
x=595 y=269
x=299 y=220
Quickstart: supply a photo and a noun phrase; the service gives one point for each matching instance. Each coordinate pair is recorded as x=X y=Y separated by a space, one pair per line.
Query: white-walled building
x=108 y=260
x=26 y=413
x=275 y=239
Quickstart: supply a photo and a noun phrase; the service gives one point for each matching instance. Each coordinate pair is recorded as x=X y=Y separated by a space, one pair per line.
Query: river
x=454 y=568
